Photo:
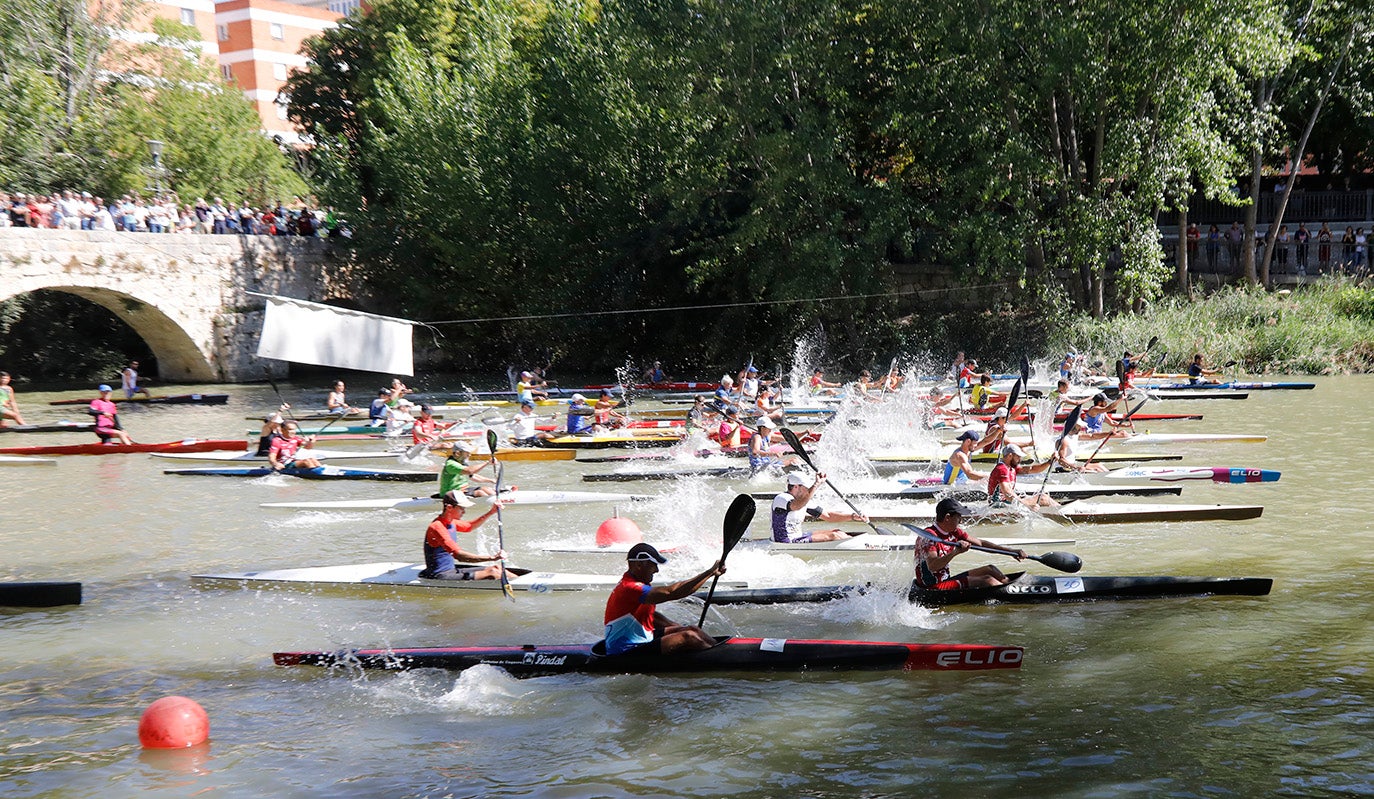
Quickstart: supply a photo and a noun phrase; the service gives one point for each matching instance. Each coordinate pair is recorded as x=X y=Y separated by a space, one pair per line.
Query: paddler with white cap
x=790 y=509
x=459 y=475
x=1002 y=481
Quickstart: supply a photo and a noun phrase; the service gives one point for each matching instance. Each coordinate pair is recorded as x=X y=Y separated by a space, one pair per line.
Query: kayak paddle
x=797 y=447
x=500 y=526
x=737 y=518
x=1063 y=561
x=1030 y=418
x=1011 y=403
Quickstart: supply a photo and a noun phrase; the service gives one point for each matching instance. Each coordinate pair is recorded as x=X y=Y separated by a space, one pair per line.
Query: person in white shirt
x=523 y=432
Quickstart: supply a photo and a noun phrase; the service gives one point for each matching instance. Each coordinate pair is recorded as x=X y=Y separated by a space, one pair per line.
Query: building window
x=281 y=110
x=279 y=71
x=277 y=31
x=344 y=7
x=223 y=32
x=226 y=71
x=188 y=17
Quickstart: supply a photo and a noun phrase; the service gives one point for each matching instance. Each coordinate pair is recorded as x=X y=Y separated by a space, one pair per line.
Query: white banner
x=308 y=332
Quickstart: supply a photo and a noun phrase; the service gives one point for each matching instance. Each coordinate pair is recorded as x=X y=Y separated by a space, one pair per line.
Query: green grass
x=1322 y=328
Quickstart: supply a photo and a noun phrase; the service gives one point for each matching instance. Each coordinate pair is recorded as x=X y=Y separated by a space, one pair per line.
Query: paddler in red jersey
x=1002 y=481
x=633 y=621
x=442 y=553
x=284 y=451
x=424 y=430
x=106 y=415
x=933 y=558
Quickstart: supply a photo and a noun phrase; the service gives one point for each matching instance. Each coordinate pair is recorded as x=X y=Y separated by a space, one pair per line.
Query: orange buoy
x=173 y=722
x=618 y=530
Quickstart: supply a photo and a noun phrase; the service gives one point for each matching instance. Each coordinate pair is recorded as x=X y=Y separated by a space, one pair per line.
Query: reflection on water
x=1254 y=696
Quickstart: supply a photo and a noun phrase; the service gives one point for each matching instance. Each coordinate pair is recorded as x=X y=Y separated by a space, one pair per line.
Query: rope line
x=676 y=308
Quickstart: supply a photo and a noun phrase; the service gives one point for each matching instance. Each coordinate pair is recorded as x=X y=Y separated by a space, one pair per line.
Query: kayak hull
x=973 y=493
x=317 y=473
x=49 y=427
x=39 y=594
x=187 y=445
x=406 y=577
x=1180 y=474
x=432 y=503
x=1083 y=513
x=171 y=399
x=729 y=655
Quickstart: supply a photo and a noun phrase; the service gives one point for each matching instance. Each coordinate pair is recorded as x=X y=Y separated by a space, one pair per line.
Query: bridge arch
x=186 y=296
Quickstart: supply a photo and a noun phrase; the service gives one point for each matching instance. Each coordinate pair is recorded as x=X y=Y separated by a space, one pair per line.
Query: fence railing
x=1303 y=206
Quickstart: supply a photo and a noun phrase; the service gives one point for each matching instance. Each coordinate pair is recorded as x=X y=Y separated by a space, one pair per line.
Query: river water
x=1223 y=696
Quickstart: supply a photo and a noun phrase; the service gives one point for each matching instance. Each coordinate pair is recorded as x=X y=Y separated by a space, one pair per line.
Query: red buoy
x=173 y=722
x=618 y=530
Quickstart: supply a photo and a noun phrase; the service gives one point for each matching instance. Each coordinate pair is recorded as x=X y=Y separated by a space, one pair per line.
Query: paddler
x=724 y=395
x=129 y=381
x=1097 y=420
x=1002 y=481
x=759 y=456
x=459 y=475
x=632 y=618
x=959 y=467
x=285 y=451
x=729 y=434
x=1068 y=444
x=580 y=416
x=337 y=403
x=9 y=407
x=425 y=429
x=819 y=385
x=271 y=431
x=696 y=415
x=376 y=412
x=749 y=384
x=1198 y=371
x=442 y=553
x=523 y=430
x=789 y=510
x=981 y=394
x=770 y=404
x=605 y=417
x=933 y=558
x=106 y=415
x=527 y=388
x=654 y=374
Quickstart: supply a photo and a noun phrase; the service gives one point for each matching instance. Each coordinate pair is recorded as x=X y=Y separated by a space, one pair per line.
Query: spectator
x=1348 y=247
x=1282 y=247
x=1324 y=248
x=1234 y=238
x=19 y=211
x=1302 y=238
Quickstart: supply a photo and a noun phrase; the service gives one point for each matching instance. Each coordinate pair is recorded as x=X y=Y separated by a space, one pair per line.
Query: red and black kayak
x=729 y=654
x=185 y=445
x=1139 y=417
x=1023 y=589
x=170 y=399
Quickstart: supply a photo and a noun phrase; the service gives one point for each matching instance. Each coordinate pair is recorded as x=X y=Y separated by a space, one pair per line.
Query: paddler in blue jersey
x=959 y=466
x=1198 y=371
x=632 y=618
x=581 y=416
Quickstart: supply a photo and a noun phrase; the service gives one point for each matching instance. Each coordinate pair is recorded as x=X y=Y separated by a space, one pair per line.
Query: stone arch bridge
x=185 y=295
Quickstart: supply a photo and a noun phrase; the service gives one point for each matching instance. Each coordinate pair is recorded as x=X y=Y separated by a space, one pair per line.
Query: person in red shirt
x=442 y=553
x=283 y=451
x=632 y=618
x=1002 y=481
x=106 y=415
x=424 y=430
x=933 y=558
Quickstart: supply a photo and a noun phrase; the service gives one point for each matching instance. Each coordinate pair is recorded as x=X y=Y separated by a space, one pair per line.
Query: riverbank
x=1320 y=329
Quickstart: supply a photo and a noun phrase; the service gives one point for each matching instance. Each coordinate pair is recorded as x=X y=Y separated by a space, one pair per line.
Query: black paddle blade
x=1153 y=341
x=796 y=445
x=1228 y=364
x=1014 y=398
x=737 y=518
x=1120 y=372
x=1025 y=370
x=491 y=441
x=1063 y=561
x=1070 y=421
x=1137 y=408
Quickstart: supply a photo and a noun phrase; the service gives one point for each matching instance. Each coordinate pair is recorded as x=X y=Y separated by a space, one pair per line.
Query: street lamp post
x=155 y=149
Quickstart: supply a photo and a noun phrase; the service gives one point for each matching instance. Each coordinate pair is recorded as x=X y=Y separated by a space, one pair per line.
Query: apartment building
x=259 y=44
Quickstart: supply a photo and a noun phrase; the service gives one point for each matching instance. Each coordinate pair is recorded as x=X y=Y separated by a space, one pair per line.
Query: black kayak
x=630 y=477
x=1023 y=589
x=39 y=595
x=49 y=427
x=1061 y=491
x=317 y=473
x=729 y=654
x=171 y=399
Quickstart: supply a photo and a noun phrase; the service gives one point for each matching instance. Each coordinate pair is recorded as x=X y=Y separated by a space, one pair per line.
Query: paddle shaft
x=737 y=518
x=1062 y=561
x=500 y=523
x=797 y=447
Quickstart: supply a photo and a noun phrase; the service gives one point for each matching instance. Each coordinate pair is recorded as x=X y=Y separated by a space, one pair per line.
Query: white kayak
x=249 y=457
x=1087 y=447
x=869 y=544
x=515 y=497
x=1083 y=512
x=1176 y=474
x=25 y=460
x=401 y=575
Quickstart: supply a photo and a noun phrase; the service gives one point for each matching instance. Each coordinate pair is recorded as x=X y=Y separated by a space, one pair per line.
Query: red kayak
x=171 y=399
x=185 y=445
x=672 y=386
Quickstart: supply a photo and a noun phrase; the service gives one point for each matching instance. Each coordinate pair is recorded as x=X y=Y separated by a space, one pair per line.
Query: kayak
x=513 y=453
x=1183 y=395
x=1023 y=589
x=501 y=403
x=989 y=457
x=1174 y=474
x=39 y=595
x=974 y=492
x=25 y=460
x=317 y=473
x=343 y=429
x=171 y=399
x=1080 y=513
x=401 y=575
x=249 y=457
x=430 y=503
x=653 y=439
x=49 y=427
x=672 y=474
x=671 y=385
x=185 y=445
x=322 y=415
x=729 y=654
x=870 y=543
x=1233 y=385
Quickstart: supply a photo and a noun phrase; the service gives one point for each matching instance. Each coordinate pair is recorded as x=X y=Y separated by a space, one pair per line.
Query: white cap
x=465 y=446
x=456 y=497
x=765 y=422
x=797 y=479
x=1011 y=449
x=578 y=398
x=1000 y=413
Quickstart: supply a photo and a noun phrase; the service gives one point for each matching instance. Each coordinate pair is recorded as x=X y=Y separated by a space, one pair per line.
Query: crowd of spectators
x=71 y=210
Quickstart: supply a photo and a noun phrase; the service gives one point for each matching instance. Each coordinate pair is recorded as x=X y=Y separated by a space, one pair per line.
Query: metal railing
x=1303 y=206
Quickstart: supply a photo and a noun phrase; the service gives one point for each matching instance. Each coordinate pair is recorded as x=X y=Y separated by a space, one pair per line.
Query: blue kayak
x=317 y=473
